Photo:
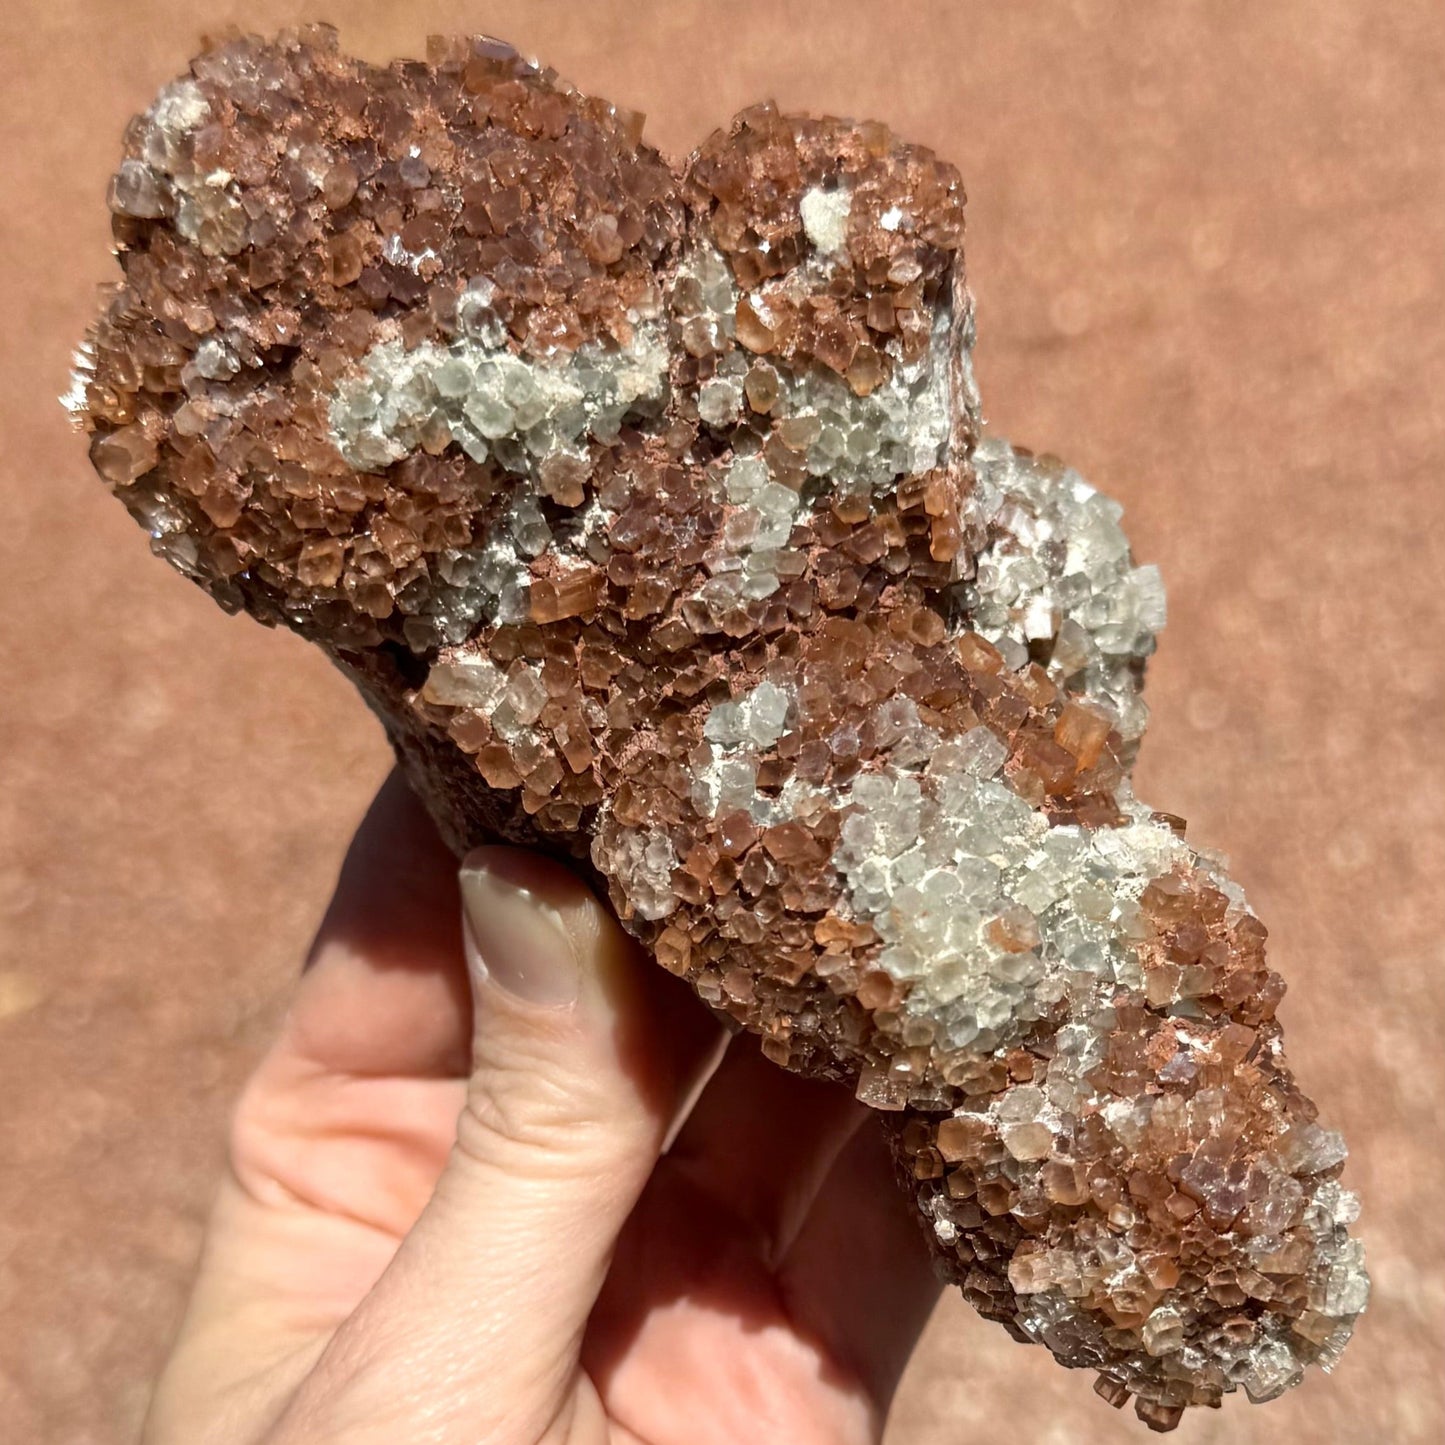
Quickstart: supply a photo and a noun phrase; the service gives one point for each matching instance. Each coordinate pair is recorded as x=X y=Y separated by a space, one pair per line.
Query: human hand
x=449 y=1217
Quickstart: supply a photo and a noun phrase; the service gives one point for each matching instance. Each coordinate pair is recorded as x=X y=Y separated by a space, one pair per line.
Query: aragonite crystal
x=646 y=505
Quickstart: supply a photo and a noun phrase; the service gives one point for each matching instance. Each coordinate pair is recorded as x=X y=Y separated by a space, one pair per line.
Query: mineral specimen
x=647 y=507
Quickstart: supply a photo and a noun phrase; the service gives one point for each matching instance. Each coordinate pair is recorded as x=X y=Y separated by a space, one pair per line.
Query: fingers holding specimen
x=581 y=1051
x=385 y=991
x=860 y=1274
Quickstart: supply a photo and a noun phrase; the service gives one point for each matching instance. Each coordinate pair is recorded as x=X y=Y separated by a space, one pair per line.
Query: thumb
x=583 y=1053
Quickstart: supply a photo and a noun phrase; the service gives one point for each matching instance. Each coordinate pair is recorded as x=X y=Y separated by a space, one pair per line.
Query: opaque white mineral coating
x=825 y=216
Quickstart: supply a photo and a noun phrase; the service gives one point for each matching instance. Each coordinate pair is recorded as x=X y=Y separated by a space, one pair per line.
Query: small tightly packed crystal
x=647 y=507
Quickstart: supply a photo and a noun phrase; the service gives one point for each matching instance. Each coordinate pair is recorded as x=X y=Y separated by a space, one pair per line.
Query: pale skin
x=450 y=1215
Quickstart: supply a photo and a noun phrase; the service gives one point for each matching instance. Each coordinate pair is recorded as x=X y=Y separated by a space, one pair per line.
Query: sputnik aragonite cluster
x=646 y=504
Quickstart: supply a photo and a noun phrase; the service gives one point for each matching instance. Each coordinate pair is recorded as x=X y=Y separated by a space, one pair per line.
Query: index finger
x=386 y=989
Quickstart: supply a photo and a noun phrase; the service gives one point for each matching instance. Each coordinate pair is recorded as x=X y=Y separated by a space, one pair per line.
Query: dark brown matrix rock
x=646 y=505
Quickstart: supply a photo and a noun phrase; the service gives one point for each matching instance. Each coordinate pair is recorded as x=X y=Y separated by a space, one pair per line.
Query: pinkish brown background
x=1208 y=243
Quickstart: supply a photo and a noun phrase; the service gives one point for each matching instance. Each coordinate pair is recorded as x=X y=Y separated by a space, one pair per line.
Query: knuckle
x=525 y=1121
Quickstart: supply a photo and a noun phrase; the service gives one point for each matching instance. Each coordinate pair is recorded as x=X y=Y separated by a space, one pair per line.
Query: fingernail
x=515 y=935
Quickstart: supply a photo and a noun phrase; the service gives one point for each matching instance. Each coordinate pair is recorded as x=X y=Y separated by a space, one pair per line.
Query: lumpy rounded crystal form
x=647 y=506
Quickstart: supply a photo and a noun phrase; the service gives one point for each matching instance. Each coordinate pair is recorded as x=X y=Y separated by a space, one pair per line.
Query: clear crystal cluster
x=479 y=395
x=646 y=505
x=1058 y=577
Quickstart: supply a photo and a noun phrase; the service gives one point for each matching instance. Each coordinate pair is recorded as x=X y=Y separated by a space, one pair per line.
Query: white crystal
x=825 y=217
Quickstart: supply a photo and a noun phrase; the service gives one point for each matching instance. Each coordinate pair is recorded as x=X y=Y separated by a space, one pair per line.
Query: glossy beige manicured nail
x=515 y=933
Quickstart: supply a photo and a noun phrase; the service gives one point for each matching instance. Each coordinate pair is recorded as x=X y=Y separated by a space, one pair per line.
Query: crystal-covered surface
x=647 y=507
